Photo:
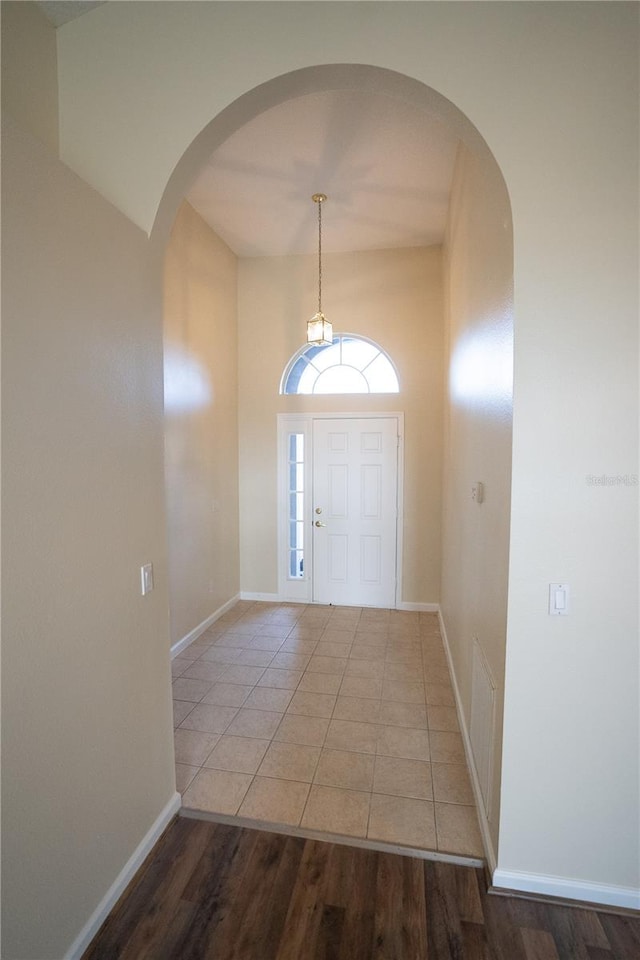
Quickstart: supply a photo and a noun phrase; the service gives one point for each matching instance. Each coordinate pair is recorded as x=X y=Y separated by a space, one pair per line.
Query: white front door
x=355 y=508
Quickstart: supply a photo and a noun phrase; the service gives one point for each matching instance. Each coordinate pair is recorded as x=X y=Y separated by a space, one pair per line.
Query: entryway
x=328 y=721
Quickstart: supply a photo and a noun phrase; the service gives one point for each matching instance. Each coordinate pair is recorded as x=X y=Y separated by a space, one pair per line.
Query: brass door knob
x=319 y=523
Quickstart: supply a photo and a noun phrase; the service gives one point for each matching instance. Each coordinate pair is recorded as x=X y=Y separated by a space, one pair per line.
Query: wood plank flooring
x=212 y=891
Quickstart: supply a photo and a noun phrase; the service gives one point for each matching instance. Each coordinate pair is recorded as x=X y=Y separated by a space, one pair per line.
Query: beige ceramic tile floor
x=332 y=719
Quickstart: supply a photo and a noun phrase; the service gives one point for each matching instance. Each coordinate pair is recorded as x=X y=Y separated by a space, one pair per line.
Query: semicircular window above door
x=351 y=364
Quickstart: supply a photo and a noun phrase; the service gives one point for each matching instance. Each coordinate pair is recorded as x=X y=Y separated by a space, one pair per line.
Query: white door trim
x=298 y=590
x=301 y=590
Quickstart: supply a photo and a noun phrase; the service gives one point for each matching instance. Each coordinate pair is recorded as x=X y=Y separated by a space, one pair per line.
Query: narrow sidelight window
x=296 y=505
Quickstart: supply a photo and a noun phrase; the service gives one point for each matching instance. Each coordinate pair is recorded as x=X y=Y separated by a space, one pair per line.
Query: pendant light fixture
x=319 y=329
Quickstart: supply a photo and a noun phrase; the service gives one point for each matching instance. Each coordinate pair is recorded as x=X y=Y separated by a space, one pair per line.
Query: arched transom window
x=348 y=365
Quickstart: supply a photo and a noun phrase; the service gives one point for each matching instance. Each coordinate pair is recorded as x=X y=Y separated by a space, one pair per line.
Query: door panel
x=337 y=558
x=355 y=481
x=371 y=491
x=338 y=499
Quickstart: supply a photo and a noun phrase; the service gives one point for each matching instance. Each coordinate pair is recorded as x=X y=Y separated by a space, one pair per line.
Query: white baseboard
x=626 y=897
x=471 y=764
x=276 y=598
x=181 y=645
x=514 y=880
x=125 y=876
x=269 y=597
x=420 y=607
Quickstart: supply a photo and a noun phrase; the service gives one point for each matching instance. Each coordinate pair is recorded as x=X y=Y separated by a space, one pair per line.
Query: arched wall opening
x=476 y=275
x=339 y=76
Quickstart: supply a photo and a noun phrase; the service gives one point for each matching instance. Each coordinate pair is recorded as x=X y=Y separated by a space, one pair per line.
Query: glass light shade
x=319 y=330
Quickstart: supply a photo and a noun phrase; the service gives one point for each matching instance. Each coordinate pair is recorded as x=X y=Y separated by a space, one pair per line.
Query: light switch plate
x=146 y=579
x=559 y=599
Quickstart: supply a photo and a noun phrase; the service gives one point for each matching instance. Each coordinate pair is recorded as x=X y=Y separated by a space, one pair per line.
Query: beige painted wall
x=566 y=140
x=201 y=422
x=30 y=70
x=395 y=298
x=87 y=728
x=478 y=428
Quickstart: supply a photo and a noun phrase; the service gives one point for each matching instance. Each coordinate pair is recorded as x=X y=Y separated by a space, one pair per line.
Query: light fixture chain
x=320 y=256
x=319 y=329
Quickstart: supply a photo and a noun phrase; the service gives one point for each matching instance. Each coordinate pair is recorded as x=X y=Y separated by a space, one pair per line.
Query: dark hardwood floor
x=226 y=893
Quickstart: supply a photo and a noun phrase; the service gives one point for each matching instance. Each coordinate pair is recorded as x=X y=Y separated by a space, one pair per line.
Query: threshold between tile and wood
x=359 y=843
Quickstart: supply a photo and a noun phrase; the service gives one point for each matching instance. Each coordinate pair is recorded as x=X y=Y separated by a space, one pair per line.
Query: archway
x=295 y=84
x=479 y=406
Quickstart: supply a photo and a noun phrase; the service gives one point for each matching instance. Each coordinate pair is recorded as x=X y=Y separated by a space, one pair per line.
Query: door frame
x=300 y=590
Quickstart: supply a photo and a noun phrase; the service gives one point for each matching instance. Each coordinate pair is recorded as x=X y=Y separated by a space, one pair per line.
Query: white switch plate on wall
x=559 y=599
x=146 y=579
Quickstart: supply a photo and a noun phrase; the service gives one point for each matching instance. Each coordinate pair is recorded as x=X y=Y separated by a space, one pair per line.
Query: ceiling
x=385 y=166
x=59 y=12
